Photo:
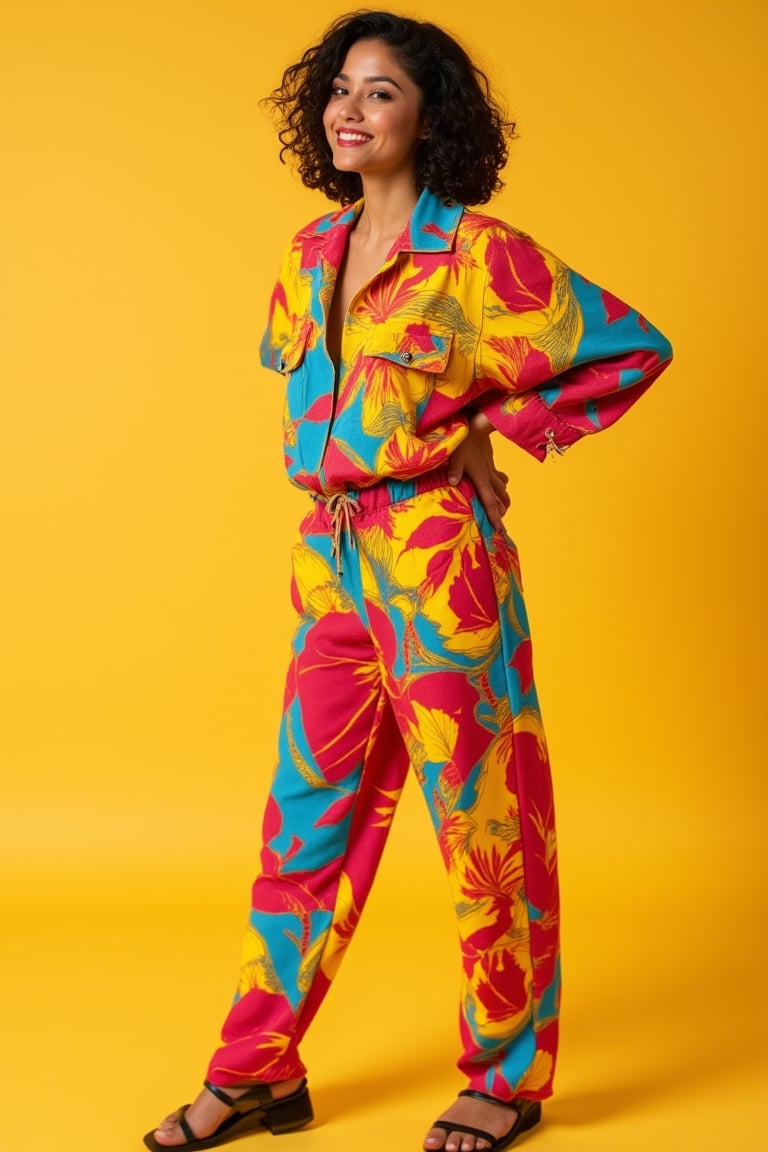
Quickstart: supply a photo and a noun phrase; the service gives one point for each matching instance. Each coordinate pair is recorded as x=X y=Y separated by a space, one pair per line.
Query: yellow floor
x=115 y=984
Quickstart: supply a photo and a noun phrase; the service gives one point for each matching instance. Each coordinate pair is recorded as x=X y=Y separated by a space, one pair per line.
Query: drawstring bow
x=341 y=508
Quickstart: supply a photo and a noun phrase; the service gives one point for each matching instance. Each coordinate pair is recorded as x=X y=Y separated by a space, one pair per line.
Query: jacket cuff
x=534 y=427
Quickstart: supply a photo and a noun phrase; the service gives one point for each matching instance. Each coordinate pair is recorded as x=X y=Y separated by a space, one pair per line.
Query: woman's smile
x=349 y=139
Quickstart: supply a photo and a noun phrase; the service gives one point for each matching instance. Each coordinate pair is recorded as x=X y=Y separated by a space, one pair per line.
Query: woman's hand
x=474 y=456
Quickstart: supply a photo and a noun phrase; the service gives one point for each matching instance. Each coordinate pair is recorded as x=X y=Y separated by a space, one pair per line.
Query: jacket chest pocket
x=420 y=352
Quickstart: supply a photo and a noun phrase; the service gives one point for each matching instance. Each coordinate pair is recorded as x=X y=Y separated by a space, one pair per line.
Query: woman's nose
x=350 y=107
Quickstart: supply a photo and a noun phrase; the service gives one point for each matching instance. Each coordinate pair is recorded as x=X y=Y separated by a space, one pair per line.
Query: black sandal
x=528 y=1116
x=257 y=1108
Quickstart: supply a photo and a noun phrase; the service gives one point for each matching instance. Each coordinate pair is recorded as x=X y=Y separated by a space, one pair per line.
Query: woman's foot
x=498 y=1119
x=206 y=1113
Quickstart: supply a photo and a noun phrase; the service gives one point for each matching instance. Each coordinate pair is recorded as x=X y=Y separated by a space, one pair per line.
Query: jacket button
x=406 y=357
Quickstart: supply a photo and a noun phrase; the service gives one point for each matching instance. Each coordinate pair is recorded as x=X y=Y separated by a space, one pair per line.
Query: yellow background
x=145 y=532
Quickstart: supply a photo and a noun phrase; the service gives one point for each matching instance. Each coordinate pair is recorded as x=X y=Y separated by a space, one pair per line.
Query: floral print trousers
x=411 y=648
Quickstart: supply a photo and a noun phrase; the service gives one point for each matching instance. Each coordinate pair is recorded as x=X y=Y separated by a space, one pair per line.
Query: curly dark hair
x=466 y=149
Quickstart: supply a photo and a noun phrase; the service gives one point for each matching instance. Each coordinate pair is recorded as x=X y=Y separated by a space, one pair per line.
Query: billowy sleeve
x=558 y=357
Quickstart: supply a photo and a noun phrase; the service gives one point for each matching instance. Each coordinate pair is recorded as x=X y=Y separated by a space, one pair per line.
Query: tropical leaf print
x=437 y=732
x=346 y=917
x=507 y=830
x=310 y=572
x=539 y=1077
x=385 y=810
x=272 y=1048
x=387 y=420
x=455 y=836
x=307 y=773
x=519 y=275
x=545 y=831
x=559 y=340
x=466 y=597
x=493 y=875
x=387 y=297
x=501 y=999
x=516 y=360
x=310 y=962
x=257 y=969
x=529 y=720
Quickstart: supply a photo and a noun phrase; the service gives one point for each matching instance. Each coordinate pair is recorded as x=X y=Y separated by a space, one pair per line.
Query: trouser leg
x=341 y=768
x=443 y=597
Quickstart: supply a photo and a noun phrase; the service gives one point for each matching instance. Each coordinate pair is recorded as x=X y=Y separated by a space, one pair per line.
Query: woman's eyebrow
x=372 y=80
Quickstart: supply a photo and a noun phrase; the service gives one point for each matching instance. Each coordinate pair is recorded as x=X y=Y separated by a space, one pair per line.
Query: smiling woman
x=464 y=146
x=409 y=328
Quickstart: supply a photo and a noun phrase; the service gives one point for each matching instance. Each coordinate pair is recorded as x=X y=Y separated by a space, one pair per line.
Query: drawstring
x=341 y=508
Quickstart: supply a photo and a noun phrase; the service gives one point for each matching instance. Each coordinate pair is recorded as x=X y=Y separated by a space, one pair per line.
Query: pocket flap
x=295 y=349
x=416 y=346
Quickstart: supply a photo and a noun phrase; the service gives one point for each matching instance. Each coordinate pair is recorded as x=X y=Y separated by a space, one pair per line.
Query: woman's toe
x=170 y=1121
x=168 y=1133
x=438 y=1140
x=164 y=1136
x=460 y=1142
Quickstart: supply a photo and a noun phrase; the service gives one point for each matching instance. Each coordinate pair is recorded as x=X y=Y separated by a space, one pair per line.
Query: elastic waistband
x=343 y=509
x=393 y=491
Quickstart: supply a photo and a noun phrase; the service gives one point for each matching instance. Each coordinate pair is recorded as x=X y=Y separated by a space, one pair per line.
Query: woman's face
x=373 y=117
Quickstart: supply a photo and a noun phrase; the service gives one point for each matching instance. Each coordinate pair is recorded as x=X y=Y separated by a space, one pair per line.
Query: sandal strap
x=257 y=1096
x=189 y=1135
x=219 y=1093
x=481 y=1134
x=522 y=1106
x=488 y=1098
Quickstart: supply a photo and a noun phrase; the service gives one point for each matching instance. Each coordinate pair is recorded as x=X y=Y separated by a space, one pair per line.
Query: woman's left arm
x=559 y=357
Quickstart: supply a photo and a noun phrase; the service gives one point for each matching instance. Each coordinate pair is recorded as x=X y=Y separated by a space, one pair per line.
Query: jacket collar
x=431 y=228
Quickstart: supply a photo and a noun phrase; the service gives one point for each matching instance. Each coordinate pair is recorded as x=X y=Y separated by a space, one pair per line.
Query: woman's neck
x=386 y=211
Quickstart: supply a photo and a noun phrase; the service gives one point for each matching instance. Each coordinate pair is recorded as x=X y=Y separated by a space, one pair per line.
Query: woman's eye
x=377 y=94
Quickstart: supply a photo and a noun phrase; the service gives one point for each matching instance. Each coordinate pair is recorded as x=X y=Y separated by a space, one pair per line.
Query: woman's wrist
x=479 y=422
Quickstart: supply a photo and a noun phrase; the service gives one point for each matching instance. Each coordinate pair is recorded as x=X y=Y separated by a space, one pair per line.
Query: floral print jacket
x=465 y=313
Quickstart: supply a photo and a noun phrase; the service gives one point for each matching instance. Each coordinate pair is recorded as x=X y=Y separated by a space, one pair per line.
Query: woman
x=409 y=328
